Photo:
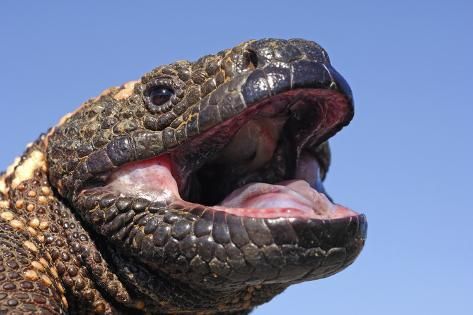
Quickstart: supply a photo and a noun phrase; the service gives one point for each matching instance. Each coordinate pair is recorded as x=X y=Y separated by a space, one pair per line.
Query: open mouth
x=263 y=163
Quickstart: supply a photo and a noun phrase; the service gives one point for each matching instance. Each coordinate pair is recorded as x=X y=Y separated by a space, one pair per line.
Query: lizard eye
x=158 y=98
x=160 y=95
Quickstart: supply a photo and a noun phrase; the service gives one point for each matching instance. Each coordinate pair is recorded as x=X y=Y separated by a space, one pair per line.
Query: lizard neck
x=64 y=258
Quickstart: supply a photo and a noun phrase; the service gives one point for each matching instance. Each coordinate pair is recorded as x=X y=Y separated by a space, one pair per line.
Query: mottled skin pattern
x=68 y=246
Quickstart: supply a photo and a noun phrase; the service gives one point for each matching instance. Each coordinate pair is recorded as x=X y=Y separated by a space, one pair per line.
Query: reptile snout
x=286 y=51
x=282 y=65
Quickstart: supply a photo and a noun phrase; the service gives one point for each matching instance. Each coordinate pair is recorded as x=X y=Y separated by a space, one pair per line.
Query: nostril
x=251 y=58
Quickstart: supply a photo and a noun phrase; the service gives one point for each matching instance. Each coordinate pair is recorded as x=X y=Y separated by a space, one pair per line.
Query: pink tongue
x=285 y=199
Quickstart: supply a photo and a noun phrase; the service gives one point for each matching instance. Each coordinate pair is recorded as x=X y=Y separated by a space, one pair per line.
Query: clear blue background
x=405 y=161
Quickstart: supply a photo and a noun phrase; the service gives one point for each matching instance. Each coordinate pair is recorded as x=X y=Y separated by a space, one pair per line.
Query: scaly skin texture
x=69 y=246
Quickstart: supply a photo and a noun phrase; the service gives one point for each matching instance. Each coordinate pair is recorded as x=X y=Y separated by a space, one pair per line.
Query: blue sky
x=405 y=161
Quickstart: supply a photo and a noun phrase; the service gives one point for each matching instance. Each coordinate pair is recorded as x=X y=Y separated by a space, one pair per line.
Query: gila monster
x=196 y=189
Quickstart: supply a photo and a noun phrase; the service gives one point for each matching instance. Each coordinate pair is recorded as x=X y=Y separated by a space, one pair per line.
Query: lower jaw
x=226 y=248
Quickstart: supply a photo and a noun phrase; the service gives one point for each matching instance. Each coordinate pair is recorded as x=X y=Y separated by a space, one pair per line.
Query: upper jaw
x=305 y=103
x=217 y=113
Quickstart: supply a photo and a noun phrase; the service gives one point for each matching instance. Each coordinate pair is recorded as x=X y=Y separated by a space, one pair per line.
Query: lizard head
x=208 y=174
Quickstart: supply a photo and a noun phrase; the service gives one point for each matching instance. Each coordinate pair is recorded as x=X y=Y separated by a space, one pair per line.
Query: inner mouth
x=262 y=163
